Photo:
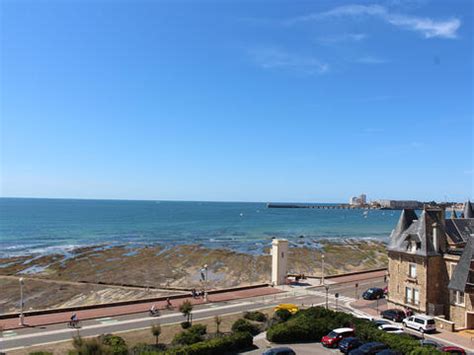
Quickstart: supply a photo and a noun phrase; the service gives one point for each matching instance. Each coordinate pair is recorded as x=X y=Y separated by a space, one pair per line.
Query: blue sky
x=237 y=100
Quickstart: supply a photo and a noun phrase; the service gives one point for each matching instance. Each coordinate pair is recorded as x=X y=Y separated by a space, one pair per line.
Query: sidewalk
x=63 y=317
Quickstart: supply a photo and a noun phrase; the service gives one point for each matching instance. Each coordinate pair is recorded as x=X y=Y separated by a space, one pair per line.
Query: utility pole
x=337 y=297
x=322 y=269
x=356 y=291
x=205 y=268
x=22 y=315
x=327 y=290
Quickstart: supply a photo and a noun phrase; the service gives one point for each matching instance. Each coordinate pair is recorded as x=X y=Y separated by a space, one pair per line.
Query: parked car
x=453 y=350
x=421 y=323
x=373 y=293
x=389 y=352
x=430 y=343
x=379 y=322
x=391 y=328
x=396 y=315
x=283 y=350
x=369 y=348
x=290 y=307
x=334 y=337
x=348 y=344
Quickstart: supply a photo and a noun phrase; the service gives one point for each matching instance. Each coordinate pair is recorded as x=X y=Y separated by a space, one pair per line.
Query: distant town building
x=400 y=204
x=358 y=200
x=431 y=264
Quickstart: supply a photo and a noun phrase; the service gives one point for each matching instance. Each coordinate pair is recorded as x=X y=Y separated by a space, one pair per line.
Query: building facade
x=400 y=204
x=431 y=264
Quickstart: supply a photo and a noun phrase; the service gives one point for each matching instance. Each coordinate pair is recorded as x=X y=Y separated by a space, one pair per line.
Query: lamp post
x=327 y=290
x=22 y=316
x=322 y=269
x=205 y=268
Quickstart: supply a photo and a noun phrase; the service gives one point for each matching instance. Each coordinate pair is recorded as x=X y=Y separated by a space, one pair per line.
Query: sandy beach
x=96 y=274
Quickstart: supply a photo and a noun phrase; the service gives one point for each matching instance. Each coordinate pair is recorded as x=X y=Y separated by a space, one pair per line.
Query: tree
x=218 y=322
x=186 y=308
x=156 y=331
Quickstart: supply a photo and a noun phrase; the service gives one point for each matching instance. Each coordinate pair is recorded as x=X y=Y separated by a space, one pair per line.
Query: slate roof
x=468 y=211
x=411 y=228
x=462 y=276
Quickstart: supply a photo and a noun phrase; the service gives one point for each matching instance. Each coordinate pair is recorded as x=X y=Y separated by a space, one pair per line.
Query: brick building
x=431 y=264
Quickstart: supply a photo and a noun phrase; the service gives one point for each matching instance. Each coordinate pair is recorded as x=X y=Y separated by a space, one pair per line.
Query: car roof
x=390 y=325
x=393 y=310
x=342 y=330
x=373 y=343
x=422 y=316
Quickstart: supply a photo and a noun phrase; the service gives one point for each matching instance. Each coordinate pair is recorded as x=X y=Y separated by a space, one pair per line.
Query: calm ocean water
x=54 y=225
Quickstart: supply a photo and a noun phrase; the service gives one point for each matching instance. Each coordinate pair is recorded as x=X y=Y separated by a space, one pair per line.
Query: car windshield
x=430 y=321
x=370 y=290
x=332 y=335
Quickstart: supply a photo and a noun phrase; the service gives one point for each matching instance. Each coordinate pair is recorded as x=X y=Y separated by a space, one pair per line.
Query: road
x=21 y=338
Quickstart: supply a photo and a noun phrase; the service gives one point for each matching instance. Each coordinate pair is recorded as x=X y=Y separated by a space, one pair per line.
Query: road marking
x=9 y=333
x=128 y=321
x=107 y=320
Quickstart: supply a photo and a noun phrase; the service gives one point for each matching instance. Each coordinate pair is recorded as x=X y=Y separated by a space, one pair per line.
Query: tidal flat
x=102 y=274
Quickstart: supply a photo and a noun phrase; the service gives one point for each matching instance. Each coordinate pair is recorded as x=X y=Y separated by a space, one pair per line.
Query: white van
x=420 y=322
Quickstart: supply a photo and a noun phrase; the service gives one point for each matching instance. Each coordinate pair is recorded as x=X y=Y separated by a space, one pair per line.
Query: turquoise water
x=54 y=225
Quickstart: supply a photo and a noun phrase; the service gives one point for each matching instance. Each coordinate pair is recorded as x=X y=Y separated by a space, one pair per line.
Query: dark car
x=283 y=350
x=373 y=293
x=389 y=352
x=430 y=343
x=453 y=350
x=379 y=322
x=396 y=315
x=369 y=348
x=348 y=344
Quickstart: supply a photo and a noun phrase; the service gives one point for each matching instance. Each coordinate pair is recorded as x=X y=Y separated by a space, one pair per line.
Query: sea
x=48 y=226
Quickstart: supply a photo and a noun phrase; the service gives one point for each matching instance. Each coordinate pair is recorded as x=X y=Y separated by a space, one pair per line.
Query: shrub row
x=255 y=316
x=222 y=345
x=243 y=325
x=313 y=323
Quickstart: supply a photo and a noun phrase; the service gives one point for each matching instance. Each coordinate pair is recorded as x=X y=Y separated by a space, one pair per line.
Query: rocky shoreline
x=91 y=274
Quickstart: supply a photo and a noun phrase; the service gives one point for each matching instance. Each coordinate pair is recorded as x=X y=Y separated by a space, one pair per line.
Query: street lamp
x=322 y=269
x=205 y=269
x=327 y=290
x=22 y=316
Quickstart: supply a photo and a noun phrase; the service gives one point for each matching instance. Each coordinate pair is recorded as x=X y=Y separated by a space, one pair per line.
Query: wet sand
x=84 y=277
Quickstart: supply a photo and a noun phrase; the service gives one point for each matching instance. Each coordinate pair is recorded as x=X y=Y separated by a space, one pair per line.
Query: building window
x=459 y=298
x=408 y=295
x=412 y=271
x=416 y=296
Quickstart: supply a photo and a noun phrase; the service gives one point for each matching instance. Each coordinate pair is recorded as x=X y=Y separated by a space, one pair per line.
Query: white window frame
x=459 y=298
x=408 y=295
x=412 y=270
x=416 y=296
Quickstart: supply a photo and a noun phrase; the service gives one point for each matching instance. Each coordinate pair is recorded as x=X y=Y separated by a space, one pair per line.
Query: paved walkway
x=63 y=317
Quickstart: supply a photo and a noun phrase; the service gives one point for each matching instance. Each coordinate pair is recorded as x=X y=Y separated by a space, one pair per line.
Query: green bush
x=283 y=314
x=40 y=353
x=187 y=338
x=229 y=344
x=200 y=329
x=243 y=325
x=116 y=345
x=147 y=349
x=255 y=316
x=185 y=324
x=313 y=323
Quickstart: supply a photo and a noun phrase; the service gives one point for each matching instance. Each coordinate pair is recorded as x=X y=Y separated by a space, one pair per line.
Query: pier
x=341 y=206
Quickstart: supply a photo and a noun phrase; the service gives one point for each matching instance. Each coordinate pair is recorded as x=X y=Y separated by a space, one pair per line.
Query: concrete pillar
x=279 y=261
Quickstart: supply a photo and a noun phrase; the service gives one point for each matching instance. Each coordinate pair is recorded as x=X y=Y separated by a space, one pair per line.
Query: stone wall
x=398 y=267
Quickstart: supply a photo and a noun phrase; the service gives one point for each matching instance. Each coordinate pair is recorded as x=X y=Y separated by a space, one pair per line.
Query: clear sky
x=237 y=100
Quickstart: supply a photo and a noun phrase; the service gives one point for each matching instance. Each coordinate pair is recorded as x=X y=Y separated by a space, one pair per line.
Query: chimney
x=435 y=237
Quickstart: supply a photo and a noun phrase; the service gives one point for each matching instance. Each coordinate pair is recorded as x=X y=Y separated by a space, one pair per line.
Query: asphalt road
x=60 y=332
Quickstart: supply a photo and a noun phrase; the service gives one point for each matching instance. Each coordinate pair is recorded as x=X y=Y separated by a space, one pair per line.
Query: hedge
x=255 y=316
x=243 y=325
x=229 y=344
x=312 y=324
